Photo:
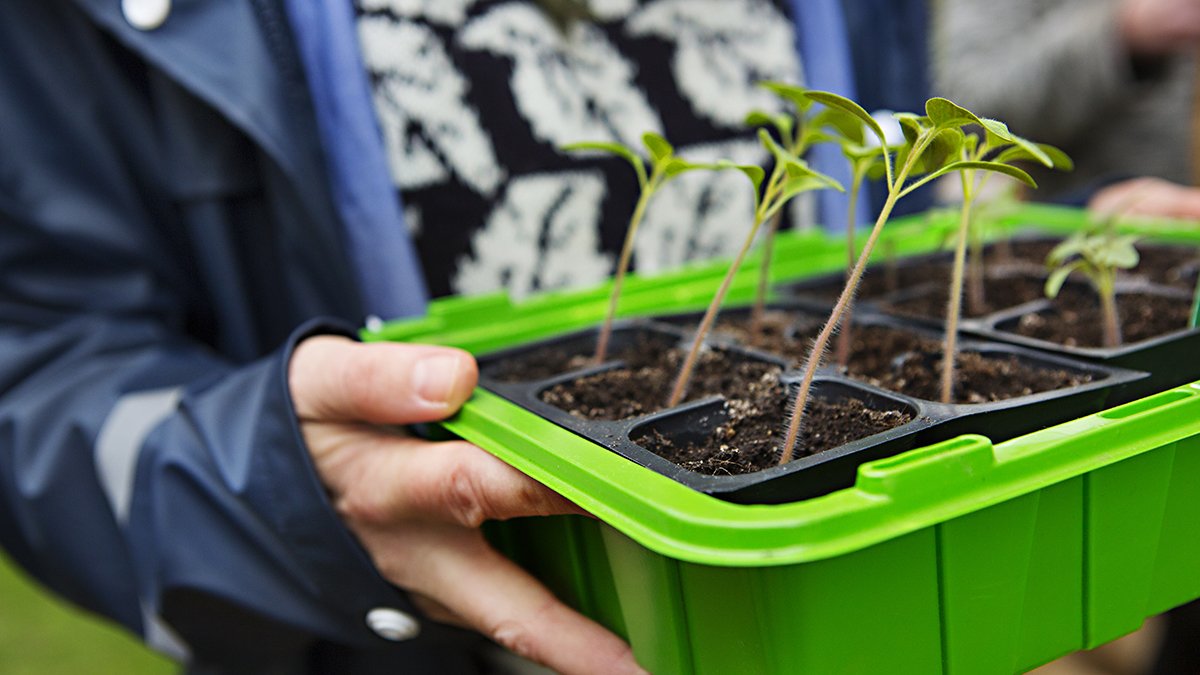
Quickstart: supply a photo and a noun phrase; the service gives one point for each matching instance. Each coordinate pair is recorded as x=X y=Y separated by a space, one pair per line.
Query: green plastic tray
x=957 y=558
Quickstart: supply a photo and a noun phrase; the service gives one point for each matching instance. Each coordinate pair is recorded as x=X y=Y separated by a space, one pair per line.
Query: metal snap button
x=146 y=14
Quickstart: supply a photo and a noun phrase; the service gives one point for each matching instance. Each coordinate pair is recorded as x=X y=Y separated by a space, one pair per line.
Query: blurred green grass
x=42 y=635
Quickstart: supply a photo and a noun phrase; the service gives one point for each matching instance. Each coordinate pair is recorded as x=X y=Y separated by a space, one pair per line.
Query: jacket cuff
x=341 y=569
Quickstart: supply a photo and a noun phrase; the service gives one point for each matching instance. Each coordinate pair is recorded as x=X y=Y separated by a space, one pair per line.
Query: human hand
x=1159 y=27
x=416 y=505
x=1149 y=197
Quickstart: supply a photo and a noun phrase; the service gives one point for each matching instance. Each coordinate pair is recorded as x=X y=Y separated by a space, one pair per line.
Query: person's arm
x=191 y=496
x=1046 y=76
x=1146 y=197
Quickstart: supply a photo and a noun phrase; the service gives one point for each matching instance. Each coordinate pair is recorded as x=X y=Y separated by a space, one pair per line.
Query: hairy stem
x=710 y=315
x=814 y=356
x=846 y=334
x=622 y=266
x=1108 y=307
x=774 y=184
x=764 y=280
x=954 y=301
x=976 y=272
x=822 y=341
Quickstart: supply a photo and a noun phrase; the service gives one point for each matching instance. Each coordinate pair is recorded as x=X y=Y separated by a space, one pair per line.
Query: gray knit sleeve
x=1044 y=66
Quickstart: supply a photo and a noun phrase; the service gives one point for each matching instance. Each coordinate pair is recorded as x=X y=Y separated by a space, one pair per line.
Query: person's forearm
x=134 y=461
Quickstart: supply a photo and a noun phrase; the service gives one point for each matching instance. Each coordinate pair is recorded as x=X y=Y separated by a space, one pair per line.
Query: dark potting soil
x=553 y=360
x=1142 y=316
x=879 y=280
x=1001 y=293
x=749 y=440
x=904 y=362
x=776 y=327
x=1026 y=252
x=1175 y=266
x=908 y=363
x=1168 y=265
x=755 y=402
x=644 y=384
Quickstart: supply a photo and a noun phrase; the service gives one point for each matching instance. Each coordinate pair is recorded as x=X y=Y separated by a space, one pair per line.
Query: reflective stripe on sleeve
x=121 y=438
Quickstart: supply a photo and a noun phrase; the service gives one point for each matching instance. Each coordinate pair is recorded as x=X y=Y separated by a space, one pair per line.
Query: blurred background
x=42 y=635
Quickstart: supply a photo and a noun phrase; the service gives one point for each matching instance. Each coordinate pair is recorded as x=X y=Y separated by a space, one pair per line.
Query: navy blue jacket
x=166 y=236
x=165 y=233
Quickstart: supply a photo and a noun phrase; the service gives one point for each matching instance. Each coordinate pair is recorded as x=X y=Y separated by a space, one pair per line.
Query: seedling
x=984 y=215
x=1002 y=147
x=797 y=178
x=867 y=157
x=1098 y=256
x=797 y=133
x=932 y=145
x=664 y=166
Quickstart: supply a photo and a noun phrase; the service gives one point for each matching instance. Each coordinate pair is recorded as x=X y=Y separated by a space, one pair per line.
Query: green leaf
x=970 y=144
x=782 y=155
x=877 y=171
x=799 y=184
x=782 y=123
x=660 y=150
x=759 y=118
x=996 y=167
x=613 y=149
x=945 y=147
x=1034 y=151
x=856 y=153
x=1117 y=253
x=812 y=137
x=798 y=169
x=797 y=95
x=1058 y=277
x=832 y=100
x=815 y=180
x=754 y=173
x=1072 y=245
x=945 y=113
x=842 y=123
x=913 y=122
x=1062 y=161
x=678 y=165
x=998 y=133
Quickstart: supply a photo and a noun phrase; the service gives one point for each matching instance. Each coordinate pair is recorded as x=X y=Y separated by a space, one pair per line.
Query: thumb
x=337 y=379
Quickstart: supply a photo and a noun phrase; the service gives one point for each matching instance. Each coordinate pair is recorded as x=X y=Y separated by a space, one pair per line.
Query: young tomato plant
x=797 y=178
x=931 y=148
x=1098 y=256
x=984 y=215
x=999 y=147
x=797 y=133
x=664 y=165
x=867 y=157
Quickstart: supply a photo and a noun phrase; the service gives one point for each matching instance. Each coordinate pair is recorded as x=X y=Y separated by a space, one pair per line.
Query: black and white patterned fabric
x=475 y=98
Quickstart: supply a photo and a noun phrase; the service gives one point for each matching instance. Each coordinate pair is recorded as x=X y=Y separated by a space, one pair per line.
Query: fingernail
x=435 y=377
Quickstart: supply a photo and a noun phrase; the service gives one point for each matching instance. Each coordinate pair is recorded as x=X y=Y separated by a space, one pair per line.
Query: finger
x=1117 y=199
x=334 y=378
x=505 y=603
x=1181 y=202
x=451 y=482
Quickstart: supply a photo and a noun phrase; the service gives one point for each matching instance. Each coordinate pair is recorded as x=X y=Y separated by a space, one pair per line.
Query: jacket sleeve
x=1010 y=60
x=143 y=475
